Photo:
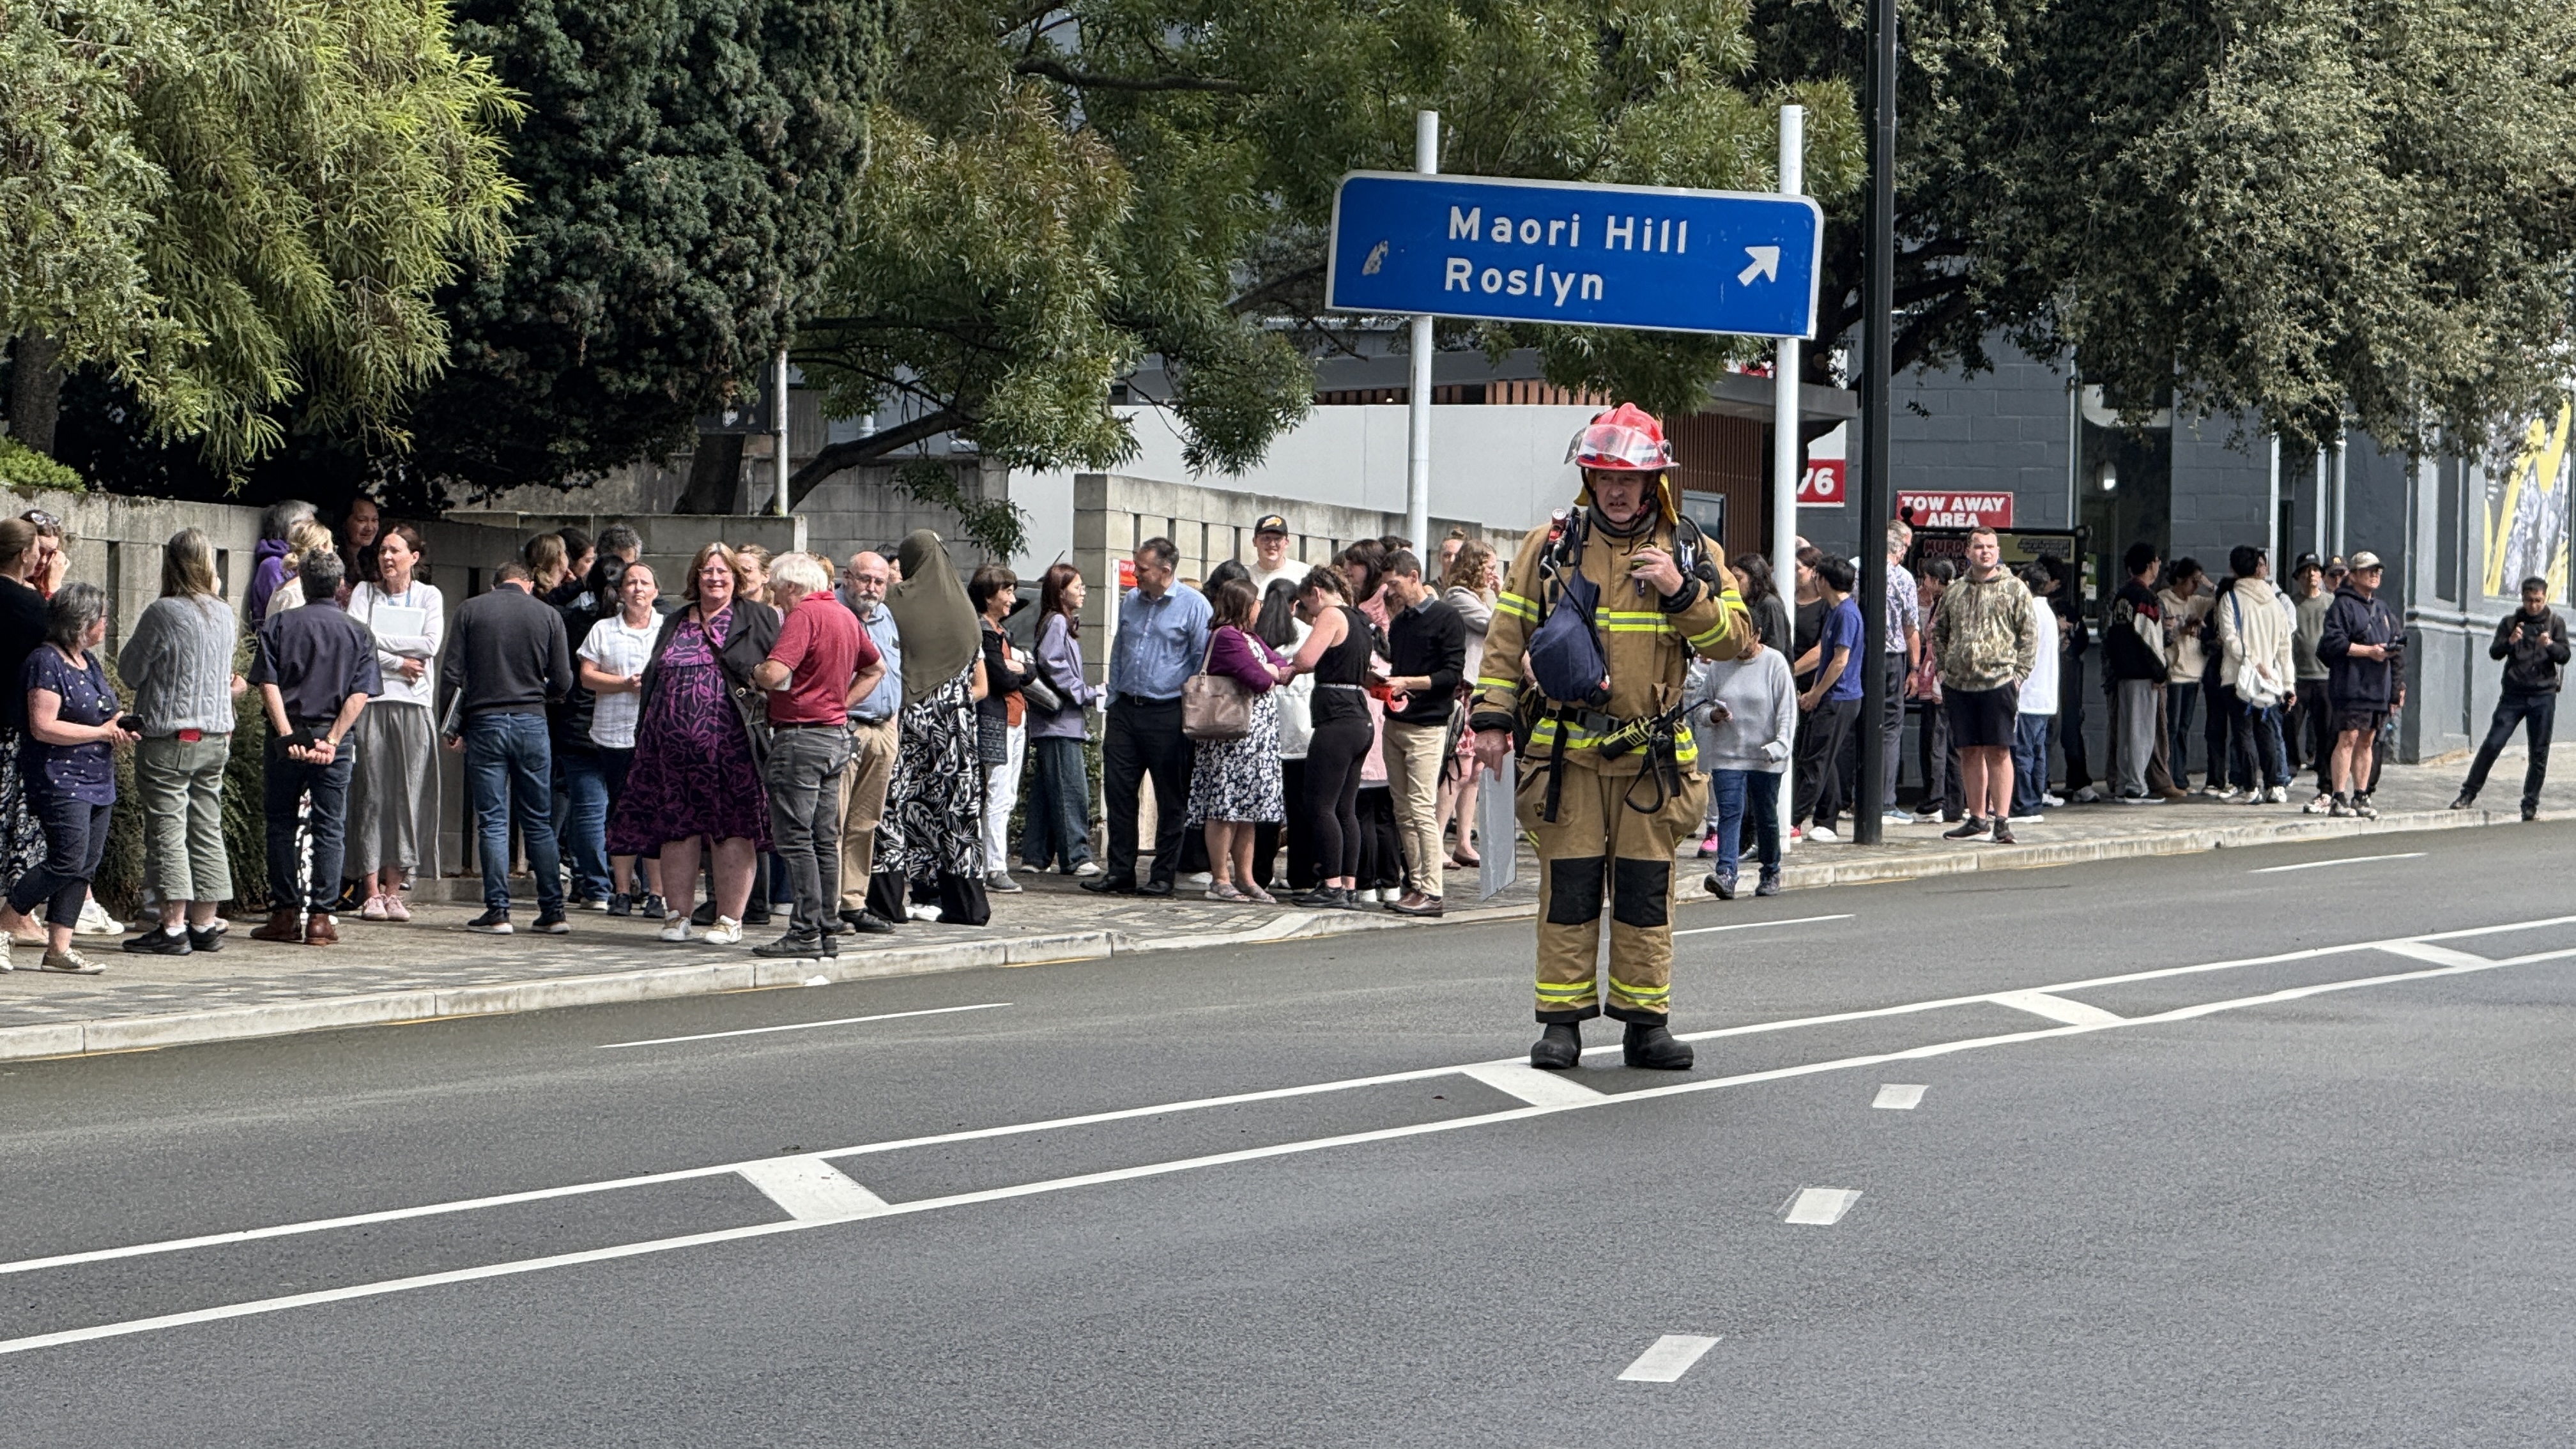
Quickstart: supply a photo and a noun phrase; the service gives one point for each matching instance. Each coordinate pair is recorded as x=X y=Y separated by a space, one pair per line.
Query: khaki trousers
x=1413 y=757
x=1598 y=848
x=863 y=792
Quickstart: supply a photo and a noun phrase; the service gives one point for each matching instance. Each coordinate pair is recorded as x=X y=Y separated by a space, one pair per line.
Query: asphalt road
x=2244 y=1205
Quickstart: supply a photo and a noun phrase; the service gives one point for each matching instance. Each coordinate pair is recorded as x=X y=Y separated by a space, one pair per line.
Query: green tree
x=2318 y=208
x=1061 y=192
x=688 y=165
x=238 y=206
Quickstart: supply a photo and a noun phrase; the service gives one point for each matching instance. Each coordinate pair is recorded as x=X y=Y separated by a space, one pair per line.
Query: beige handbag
x=1214 y=707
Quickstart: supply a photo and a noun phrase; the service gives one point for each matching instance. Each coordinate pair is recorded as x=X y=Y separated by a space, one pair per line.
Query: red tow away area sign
x=1955 y=510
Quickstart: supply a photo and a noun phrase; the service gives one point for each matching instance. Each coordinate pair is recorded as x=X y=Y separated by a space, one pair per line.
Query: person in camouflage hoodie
x=1986 y=644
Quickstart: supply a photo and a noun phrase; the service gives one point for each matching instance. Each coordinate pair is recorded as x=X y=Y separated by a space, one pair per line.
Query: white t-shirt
x=408 y=625
x=1293 y=570
x=617 y=649
x=2039 y=692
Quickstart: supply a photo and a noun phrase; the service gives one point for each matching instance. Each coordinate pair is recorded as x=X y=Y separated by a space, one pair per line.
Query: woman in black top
x=1000 y=717
x=22 y=632
x=1337 y=654
x=1762 y=600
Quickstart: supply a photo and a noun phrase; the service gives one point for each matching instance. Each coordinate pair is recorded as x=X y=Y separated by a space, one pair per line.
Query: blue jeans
x=2180 y=696
x=585 y=827
x=1057 y=825
x=286 y=782
x=508 y=770
x=2268 y=752
x=2030 y=763
x=1735 y=792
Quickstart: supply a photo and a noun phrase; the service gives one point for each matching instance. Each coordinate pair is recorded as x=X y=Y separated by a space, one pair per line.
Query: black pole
x=1878 y=295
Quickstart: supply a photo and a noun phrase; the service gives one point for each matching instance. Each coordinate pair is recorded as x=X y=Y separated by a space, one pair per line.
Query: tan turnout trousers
x=1597 y=853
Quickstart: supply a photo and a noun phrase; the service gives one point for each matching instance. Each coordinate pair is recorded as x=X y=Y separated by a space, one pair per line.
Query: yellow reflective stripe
x=1686 y=747
x=1490 y=682
x=1559 y=991
x=1639 y=993
x=1516 y=606
x=1730 y=598
x=1716 y=632
x=1543 y=734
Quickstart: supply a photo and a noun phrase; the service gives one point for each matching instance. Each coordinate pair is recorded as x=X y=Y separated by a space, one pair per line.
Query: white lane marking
x=1819 y=1207
x=803 y=1025
x=1220 y=1159
x=812 y=1190
x=1539 y=1089
x=2055 y=1008
x=1671 y=1357
x=1758 y=925
x=2338 y=860
x=2438 y=955
x=1898 y=1097
x=1273 y=1094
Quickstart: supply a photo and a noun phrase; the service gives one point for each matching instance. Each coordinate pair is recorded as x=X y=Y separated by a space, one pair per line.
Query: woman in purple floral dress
x=694 y=776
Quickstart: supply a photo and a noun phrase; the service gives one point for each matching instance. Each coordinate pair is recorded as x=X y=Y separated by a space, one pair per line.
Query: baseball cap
x=1270 y=523
x=2308 y=560
x=2364 y=560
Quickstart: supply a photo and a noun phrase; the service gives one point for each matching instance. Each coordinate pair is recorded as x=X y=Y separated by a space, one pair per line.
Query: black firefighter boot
x=1653 y=1048
x=1559 y=1047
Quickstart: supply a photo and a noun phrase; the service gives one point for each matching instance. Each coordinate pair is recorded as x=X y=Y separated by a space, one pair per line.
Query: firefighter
x=1608 y=600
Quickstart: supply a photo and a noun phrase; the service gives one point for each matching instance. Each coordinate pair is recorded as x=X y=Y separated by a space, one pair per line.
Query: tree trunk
x=35 y=390
x=715 y=475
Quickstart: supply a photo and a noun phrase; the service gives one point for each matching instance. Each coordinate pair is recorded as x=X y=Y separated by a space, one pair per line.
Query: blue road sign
x=1562 y=251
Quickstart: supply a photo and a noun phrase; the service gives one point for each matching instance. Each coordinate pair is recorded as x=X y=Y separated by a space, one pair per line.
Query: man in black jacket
x=2533 y=646
x=2364 y=646
x=505 y=657
x=1426 y=645
x=2133 y=637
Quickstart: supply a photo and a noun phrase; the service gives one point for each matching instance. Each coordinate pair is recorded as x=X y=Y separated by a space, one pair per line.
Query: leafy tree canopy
x=237 y=206
x=1059 y=192
x=2318 y=208
x=689 y=167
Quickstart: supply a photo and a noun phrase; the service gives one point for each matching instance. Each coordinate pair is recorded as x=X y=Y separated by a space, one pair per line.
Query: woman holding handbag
x=696 y=773
x=1234 y=783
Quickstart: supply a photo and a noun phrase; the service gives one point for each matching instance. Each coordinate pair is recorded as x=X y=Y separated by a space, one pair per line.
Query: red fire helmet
x=1626 y=439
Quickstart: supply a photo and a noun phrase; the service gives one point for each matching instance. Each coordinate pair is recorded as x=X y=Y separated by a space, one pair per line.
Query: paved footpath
x=433 y=967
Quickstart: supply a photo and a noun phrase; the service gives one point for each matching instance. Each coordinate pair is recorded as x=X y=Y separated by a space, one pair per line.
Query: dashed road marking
x=2438 y=955
x=1819 y=1207
x=2055 y=1008
x=1529 y=1084
x=1898 y=1097
x=2338 y=860
x=812 y=1190
x=1757 y=925
x=1671 y=1357
x=803 y=1025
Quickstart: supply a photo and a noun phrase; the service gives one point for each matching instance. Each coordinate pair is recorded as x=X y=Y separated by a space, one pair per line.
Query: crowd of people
x=847 y=745
x=1994 y=659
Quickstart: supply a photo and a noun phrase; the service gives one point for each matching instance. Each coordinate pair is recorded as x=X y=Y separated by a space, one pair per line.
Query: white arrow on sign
x=1766 y=265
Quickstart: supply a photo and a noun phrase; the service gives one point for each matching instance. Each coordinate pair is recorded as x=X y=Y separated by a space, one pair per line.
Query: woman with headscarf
x=694 y=776
x=931 y=839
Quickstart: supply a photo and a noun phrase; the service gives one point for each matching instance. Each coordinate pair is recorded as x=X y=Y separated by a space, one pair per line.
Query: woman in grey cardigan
x=179 y=661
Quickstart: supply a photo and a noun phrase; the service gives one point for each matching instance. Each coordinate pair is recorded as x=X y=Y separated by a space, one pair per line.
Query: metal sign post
x=1785 y=461
x=1417 y=403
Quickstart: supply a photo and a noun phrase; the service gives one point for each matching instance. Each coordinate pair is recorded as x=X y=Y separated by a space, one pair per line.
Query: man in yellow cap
x=1609 y=600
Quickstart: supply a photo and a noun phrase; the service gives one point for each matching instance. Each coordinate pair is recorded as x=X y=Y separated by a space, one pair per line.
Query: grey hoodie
x=1762 y=702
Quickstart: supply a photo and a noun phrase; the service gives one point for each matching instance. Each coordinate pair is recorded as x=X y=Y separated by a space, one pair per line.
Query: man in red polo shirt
x=820 y=649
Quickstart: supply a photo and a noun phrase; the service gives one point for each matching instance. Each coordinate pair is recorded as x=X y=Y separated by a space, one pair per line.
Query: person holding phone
x=2532 y=642
x=70 y=768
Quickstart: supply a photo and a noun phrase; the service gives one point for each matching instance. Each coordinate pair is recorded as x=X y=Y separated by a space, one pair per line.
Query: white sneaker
x=2321 y=805
x=2277 y=795
x=725 y=932
x=2034 y=818
x=675 y=927
x=2088 y=796
x=1821 y=833
x=2053 y=802
x=1200 y=878
x=94 y=921
x=1899 y=817
x=1087 y=869
x=924 y=913
x=2238 y=797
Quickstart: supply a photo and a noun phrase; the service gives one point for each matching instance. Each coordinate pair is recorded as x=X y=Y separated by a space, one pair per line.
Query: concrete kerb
x=282 y=1018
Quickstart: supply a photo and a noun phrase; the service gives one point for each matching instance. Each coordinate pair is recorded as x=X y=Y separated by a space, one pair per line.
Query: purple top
x=1240 y=657
x=1060 y=659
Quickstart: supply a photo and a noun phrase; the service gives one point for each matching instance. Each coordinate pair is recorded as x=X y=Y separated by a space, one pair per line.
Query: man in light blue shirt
x=1162 y=640
x=875 y=702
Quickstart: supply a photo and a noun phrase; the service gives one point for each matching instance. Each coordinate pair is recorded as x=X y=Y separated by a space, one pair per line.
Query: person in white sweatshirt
x=2256 y=625
x=1744 y=712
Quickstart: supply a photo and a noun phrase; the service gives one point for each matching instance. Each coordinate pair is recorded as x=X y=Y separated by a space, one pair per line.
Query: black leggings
x=1331 y=803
